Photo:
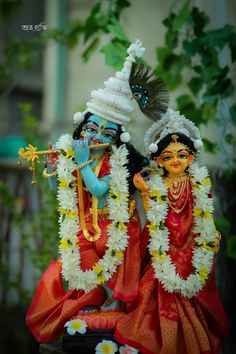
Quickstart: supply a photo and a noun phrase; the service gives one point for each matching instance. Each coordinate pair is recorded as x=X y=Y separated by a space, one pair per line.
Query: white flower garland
x=69 y=223
x=203 y=254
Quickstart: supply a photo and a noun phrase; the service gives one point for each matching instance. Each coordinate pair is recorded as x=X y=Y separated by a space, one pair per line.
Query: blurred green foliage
x=44 y=224
x=191 y=59
x=38 y=232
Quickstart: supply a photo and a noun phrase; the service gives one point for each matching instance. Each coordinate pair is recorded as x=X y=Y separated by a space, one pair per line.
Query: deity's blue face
x=99 y=130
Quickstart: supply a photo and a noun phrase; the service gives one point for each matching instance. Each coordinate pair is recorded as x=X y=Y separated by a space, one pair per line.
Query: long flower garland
x=69 y=223
x=203 y=254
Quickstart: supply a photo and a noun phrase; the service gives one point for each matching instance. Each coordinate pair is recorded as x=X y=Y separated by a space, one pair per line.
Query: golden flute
x=31 y=154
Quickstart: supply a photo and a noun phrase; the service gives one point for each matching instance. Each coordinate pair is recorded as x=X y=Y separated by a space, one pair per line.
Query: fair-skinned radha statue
x=178 y=309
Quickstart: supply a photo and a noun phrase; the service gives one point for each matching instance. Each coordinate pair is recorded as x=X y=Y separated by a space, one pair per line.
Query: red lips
x=175 y=164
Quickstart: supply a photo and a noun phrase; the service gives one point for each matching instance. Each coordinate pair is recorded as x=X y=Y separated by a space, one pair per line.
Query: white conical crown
x=114 y=101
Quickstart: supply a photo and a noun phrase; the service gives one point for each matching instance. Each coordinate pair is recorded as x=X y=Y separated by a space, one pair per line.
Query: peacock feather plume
x=149 y=91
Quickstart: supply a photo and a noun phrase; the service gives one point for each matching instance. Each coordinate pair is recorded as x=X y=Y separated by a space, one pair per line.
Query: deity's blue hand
x=81 y=150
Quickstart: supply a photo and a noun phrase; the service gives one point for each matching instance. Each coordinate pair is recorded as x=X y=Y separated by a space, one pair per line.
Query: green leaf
x=182 y=18
x=90 y=49
x=186 y=106
x=26 y=107
x=173 y=79
x=208 y=74
x=116 y=29
x=208 y=112
x=232 y=46
x=184 y=100
x=222 y=87
x=218 y=38
x=91 y=24
x=200 y=20
x=223 y=225
x=168 y=21
x=231 y=247
x=192 y=47
x=162 y=53
x=211 y=101
x=72 y=32
x=115 y=53
x=230 y=139
x=171 y=36
x=210 y=146
x=195 y=84
x=171 y=69
x=232 y=111
x=120 y=5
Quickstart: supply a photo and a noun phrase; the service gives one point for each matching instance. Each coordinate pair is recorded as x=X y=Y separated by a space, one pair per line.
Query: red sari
x=52 y=306
x=160 y=322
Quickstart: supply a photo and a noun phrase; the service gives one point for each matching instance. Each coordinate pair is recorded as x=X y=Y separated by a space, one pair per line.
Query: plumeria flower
x=106 y=347
x=76 y=326
x=128 y=350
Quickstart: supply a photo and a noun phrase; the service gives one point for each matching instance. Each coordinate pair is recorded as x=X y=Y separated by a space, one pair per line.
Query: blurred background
x=52 y=54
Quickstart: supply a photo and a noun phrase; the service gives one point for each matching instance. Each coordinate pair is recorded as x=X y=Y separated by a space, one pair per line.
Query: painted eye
x=167 y=158
x=110 y=134
x=91 y=128
x=183 y=156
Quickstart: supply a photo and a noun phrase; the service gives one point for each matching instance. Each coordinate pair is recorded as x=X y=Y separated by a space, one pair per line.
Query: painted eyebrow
x=106 y=128
x=171 y=152
x=91 y=121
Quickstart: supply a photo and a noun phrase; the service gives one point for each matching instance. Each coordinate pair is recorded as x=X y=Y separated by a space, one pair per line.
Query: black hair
x=184 y=139
x=136 y=161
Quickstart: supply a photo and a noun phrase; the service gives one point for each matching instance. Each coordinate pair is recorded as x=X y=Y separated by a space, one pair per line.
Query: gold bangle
x=48 y=175
x=84 y=164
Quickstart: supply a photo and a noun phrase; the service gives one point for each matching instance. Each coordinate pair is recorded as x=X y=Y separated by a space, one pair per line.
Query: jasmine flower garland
x=69 y=223
x=203 y=253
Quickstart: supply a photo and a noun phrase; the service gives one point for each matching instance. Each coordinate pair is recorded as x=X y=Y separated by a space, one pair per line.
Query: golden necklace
x=176 y=187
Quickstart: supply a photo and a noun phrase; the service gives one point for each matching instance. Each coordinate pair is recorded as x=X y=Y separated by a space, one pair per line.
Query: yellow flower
x=63 y=211
x=65 y=244
x=97 y=268
x=203 y=274
x=119 y=254
x=101 y=279
x=115 y=196
x=207 y=182
x=207 y=214
x=155 y=194
x=71 y=214
x=158 y=254
x=123 y=226
x=70 y=153
x=197 y=211
x=152 y=227
x=62 y=183
x=163 y=256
